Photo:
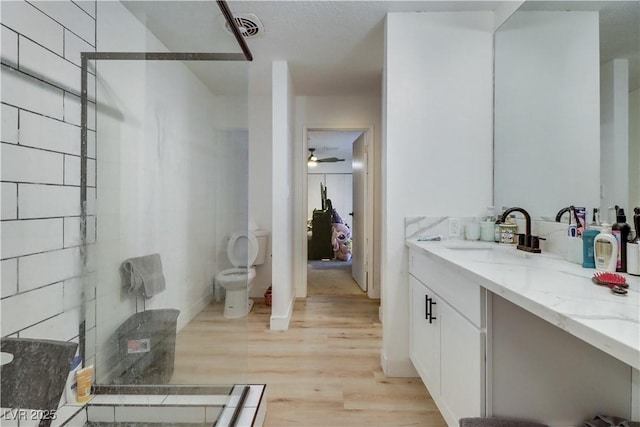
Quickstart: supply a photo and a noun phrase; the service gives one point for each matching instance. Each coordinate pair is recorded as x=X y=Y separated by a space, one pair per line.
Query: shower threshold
x=240 y=405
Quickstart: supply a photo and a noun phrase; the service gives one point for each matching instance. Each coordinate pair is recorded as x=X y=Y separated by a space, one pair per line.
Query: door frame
x=301 y=221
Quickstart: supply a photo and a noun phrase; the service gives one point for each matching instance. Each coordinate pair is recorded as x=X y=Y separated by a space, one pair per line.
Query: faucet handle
x=535 y=242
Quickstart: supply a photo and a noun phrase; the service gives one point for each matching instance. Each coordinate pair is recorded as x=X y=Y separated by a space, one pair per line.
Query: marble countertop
x=553 y=289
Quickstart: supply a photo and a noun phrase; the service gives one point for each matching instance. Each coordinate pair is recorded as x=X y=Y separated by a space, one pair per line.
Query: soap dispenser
x=605 y=249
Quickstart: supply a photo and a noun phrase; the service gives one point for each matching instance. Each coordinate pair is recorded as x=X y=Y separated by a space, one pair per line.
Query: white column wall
x=436 y=143
x=634 y=150
x=284 y=292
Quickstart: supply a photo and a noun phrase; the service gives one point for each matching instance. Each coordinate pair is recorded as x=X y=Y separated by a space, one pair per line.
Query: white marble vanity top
x=553 y=289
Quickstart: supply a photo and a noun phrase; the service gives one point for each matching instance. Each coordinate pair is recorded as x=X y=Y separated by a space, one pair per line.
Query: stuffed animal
x=341 y=241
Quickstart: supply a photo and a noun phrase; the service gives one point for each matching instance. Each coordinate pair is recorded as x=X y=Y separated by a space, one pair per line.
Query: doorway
x=336 y=211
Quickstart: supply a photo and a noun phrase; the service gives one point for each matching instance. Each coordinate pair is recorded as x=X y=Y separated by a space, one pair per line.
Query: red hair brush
x=616 y=282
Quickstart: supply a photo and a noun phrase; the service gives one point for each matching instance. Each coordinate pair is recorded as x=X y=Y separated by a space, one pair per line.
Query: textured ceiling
x=334 y=47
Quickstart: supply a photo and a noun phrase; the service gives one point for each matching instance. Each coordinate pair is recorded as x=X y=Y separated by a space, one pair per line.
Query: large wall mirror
x=567 y=86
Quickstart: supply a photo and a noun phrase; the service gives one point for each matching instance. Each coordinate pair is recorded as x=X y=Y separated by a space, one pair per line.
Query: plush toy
x=341 y=241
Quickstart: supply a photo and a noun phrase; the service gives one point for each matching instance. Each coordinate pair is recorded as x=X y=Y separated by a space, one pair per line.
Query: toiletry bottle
x=72 y=383
x=588 y=259
x=621 y=230
x=605 y=249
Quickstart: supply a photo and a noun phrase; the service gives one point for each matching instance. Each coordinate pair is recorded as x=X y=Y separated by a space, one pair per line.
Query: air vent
x=248 y=23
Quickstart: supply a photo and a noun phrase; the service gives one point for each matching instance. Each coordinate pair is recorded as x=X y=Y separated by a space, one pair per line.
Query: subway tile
x=71 y=16
x=71 y=170
x=91 y=201
x=91 y=87
x=43 y=132
x=62 y=327
x=128 y=399
x=9 y=200
x=46 y=201
x=105 y=414
x=195 y=400
x=73 y=46
x=90 y=314
x=90 y=342
x=88 y=6
x=9 y=52
x=169 y=414
x=72 y=293
x=72 y=109
x=54 y=69
x=72 y=235
x=91 y=229
x=24 y=164
x=91 y=173
x=91 y=115
x=9 y=125
x=29 y=93
x=9 y=277
x=29 y=237
x=91 y=144
x=48 y=267
x=25 y=19
x=26 y=309
x=70 y=416
x=212 y=413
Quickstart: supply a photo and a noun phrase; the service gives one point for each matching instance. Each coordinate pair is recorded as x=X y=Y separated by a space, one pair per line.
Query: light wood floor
x=324 y=371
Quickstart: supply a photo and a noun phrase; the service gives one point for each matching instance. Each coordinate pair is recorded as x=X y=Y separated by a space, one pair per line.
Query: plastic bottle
x=72 y=383
x=588 y=259
x=621 y=230
x=605 y=249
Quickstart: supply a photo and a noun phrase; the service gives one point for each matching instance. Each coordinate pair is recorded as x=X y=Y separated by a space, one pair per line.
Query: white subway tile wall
x=42 y=288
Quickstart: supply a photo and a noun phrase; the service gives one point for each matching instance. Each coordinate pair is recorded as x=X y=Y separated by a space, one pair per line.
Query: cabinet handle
x=427 y=307
x=431 y=316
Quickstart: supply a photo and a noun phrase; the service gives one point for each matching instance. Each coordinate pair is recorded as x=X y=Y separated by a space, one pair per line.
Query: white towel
x=143 y=275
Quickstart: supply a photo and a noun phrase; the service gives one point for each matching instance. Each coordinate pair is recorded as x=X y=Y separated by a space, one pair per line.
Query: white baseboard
x=281 y=323
x=397 y=368
x=187 y=315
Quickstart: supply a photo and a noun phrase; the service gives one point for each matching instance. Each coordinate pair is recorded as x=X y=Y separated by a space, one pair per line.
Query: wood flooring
x=323 y=371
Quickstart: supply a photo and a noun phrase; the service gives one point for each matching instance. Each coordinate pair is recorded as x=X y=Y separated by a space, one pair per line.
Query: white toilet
x=243 y=248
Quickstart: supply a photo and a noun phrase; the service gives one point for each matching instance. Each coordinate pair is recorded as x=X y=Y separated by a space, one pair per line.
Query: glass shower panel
x=169 y=177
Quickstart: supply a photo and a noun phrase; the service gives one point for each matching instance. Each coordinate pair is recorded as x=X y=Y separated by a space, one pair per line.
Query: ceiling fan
x=312 y=160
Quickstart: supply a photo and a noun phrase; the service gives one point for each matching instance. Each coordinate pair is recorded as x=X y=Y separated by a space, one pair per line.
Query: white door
x=358 y=220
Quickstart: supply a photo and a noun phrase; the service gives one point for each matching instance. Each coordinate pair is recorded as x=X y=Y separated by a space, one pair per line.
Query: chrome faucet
x=529 y=243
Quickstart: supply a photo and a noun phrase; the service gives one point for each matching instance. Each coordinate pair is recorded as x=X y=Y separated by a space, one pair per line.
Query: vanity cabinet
x=448 y=337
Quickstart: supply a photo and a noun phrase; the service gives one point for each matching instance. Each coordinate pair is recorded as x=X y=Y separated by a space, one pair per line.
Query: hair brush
x=615 y=281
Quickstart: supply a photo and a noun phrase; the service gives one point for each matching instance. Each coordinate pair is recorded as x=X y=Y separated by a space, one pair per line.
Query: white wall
x=436 y=144
x=614 y=134
x=335 y=112
x=547 y=112
x=40 y=133
x=260 y=182
x=634 y=150
x=172 y=174
x=284 y=292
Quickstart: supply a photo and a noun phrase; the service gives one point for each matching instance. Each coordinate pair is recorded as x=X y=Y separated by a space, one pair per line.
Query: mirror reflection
x=567 y=85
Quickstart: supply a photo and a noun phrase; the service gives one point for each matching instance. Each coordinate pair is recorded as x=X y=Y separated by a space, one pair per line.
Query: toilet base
x=237 y=304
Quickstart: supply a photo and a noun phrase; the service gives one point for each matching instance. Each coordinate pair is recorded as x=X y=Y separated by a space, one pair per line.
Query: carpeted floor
x=331 y=278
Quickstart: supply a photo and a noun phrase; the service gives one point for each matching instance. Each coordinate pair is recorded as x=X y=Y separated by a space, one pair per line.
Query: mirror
x=566 y=107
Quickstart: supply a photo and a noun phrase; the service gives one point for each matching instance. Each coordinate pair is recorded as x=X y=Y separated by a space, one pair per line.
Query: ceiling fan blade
x=331 y=160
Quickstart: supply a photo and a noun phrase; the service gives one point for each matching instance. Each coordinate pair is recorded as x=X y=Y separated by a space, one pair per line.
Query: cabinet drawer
x=462 y=294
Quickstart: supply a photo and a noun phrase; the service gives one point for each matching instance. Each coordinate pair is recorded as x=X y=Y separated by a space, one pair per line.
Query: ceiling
x=333 y=47
x=329 y=143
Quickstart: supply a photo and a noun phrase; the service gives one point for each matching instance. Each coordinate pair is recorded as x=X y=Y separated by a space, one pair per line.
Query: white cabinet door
x=425 y=335
x=462 y=349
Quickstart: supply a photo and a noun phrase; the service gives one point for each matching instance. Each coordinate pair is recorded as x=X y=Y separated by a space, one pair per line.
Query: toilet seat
x=242 y=254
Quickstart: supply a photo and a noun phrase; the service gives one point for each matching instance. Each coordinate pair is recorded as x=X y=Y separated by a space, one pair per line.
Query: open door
x=358 y=220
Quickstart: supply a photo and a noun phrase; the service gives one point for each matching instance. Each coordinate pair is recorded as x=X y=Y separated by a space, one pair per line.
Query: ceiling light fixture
x=312 y=160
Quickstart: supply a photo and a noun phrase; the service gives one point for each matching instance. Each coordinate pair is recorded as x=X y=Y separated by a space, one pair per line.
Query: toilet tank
x=263 y=240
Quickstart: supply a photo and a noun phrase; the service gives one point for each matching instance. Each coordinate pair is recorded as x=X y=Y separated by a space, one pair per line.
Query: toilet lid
x=242 y=249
